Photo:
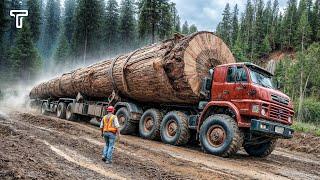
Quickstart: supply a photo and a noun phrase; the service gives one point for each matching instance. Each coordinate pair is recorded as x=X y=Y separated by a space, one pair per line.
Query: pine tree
x=14 y=4
x=111 y=29
x=165 y=20
x=226 y=25
x=127 y=25
x=3 y=19
x=155 y=19
x=34 y=18
x=68 y=22
x=193 y=29
x=259 y=30
x=266 y=47
x=290 y=24
x=176 y=19
x=275 y=24
x=304 y=30
x=185 y=28
x=52 y=27
x=62 y=53
x=238 y=50
x=24 y=56
x=235 y=25
x=87 y=38
x=315 y=21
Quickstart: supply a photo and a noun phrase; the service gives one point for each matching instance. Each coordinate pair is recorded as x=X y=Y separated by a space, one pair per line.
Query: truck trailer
x=232 y=105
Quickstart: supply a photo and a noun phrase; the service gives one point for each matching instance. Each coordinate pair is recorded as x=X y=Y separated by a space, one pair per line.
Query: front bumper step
x=271 y=129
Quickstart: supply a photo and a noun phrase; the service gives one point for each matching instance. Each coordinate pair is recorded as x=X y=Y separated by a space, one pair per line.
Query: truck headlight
x=263 y=112
x=255 y=108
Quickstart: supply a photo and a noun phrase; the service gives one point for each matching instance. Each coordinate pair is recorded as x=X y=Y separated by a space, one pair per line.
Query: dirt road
x=37 y=146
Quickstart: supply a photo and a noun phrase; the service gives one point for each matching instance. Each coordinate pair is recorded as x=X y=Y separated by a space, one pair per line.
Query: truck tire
x=61 y=110
x=44 y=106
x=69 y=113
x=174 y=128
x=220 y=135
x=149 y=124
x=261 y=150
x=126 y=126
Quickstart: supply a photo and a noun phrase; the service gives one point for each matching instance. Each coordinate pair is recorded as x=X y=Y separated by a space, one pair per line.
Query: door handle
x=225 y=92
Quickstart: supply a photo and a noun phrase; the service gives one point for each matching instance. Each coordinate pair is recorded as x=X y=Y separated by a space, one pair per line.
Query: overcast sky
x=206 y=14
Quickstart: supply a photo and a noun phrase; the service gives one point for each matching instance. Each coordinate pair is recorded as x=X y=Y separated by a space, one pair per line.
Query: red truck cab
x=245 y=93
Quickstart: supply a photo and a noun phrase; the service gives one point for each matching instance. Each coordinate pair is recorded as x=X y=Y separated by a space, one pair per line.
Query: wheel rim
x=148 y=124
x=68 y=113
x=43 y=108
x=172 y=127
x=216 y=135
x=59 y=111
x=122 y=120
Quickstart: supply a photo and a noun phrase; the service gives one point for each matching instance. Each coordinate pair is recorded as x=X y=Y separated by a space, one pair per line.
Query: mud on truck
x=241 y=108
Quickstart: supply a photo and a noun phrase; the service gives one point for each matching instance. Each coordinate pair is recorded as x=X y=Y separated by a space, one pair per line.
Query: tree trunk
x=85 y=48
x=167 y=72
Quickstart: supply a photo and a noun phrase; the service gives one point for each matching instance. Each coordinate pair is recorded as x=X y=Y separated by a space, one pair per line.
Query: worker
x=109 y=126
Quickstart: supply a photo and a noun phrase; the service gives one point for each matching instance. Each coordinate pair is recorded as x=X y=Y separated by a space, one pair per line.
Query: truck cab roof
x=249 y=64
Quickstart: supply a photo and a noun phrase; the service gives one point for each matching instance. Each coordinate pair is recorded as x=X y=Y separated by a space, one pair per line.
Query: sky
x=206 y=14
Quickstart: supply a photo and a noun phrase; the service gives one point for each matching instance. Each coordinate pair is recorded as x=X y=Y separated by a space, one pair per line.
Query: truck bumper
x=271 y=129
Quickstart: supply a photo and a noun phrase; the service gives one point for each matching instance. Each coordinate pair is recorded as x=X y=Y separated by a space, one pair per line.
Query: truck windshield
x=259 y=77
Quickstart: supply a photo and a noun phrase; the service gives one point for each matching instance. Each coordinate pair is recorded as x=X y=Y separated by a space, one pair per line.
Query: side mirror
x=278 y=84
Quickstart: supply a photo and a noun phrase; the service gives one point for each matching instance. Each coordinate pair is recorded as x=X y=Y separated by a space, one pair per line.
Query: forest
x=59 y=35
x=263 y=29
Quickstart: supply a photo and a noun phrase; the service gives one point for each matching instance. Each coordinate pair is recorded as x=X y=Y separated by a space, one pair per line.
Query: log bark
x=167 y=72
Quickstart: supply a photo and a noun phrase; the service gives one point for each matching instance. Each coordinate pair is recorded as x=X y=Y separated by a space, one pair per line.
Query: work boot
x=108 y=162
x=103 y=159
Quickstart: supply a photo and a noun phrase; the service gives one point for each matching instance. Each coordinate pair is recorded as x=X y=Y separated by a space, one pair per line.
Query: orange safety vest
x=107 y=124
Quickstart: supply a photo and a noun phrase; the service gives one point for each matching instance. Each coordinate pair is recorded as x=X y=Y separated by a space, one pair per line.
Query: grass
x=306 y=127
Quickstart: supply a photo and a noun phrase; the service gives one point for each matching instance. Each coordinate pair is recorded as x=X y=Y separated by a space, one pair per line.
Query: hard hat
x=110 y=109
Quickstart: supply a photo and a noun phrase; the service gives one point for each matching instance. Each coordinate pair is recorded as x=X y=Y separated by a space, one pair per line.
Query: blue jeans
x=108 y=148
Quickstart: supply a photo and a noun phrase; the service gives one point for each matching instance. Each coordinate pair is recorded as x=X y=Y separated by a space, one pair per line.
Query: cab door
x=236 y=83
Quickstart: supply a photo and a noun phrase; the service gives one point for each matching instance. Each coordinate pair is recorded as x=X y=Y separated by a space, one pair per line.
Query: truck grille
x=280 y=99
x=279 y=114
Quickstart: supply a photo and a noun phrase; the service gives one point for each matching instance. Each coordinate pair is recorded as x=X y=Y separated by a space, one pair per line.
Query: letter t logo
x=18 y=14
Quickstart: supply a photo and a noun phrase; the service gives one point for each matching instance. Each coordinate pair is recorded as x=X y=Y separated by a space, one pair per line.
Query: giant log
x=166 y=72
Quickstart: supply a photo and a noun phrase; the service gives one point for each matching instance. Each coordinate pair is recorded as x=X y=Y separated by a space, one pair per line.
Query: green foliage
x=34 y=18
x=225 y=27
x=127 y=25
x=111 y=26
x=68 y=22
x=310 y=111
x=306 y=127
x=24 y=56
x=193 y=29
x=156 y=19
x=52 y=27
x=87 y=38
x=62 y=53
x=87 y=29
x=185 y=28
x=263 y=29
x=300 y=78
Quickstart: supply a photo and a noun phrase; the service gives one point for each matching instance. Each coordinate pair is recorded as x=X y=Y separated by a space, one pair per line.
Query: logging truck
x=184 y=89
x=242 y=108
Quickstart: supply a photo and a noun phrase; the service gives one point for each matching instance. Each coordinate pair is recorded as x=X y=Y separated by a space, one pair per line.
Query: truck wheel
x=69 y=112
x=149 y=124
x=61 y=110
x=126 y=126
x=261 y=150
x=44 y=106
x=174 y=128
x=220 y=135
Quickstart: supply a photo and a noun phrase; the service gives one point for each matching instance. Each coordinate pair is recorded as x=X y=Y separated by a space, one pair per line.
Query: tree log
x=167 y=72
